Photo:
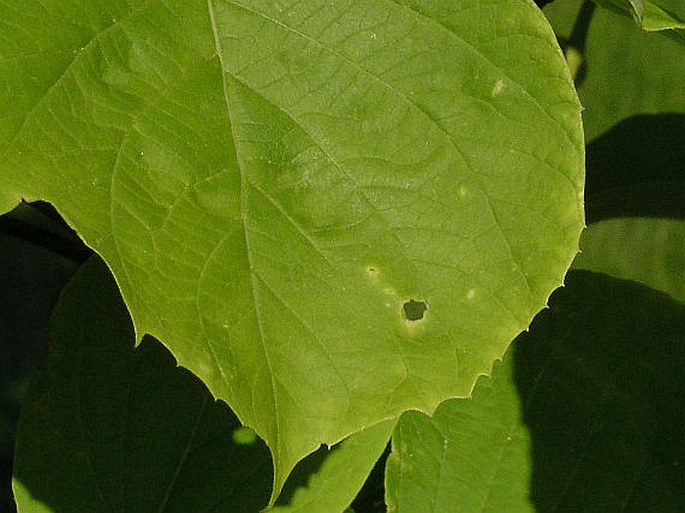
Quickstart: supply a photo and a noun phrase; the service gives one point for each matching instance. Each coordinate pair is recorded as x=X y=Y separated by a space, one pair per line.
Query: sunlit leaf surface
x=650 y=251
x=274 y=182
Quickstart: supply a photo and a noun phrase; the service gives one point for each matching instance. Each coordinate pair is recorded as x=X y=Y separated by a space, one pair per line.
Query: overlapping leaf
x=106 y=427
x=649 y=16
x=601 y=378
x=271 y=182
x=649 y=251
x=471 y=456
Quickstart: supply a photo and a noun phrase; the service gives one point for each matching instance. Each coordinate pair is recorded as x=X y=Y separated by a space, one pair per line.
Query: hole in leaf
x=414 y=310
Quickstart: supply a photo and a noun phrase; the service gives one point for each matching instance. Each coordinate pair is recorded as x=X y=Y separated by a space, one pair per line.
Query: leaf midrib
x=275 y=446
x=184 y=455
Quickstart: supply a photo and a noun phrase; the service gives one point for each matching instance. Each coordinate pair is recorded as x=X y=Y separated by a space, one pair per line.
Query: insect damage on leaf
x=414 y=310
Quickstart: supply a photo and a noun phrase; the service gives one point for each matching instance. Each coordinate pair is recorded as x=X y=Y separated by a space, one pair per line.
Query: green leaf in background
x=657 y=19
x=272 y=182
x=110 y=427
x=333 y=478
x=30 y=281
x=649 y=251
x=634 y=9
x=631 y=73
x=471 y=456
x=636 y=169
x=648 y=15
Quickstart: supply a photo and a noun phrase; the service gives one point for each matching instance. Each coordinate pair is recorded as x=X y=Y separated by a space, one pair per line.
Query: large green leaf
x=599 y=381
x=273 y=182
x=471 y=456
x=148 y=436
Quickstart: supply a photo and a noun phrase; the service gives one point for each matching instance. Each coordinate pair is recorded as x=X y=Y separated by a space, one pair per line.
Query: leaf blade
x=273 y=249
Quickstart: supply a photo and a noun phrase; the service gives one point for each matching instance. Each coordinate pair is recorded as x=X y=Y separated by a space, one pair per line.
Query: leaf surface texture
x=272 y=181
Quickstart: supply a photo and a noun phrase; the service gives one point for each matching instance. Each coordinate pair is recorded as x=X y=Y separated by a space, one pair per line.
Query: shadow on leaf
x=109 y=427
x=636 y=169
x=600 y=375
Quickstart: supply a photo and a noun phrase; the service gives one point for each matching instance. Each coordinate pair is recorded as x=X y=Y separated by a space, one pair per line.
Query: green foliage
x=580 y=416
x=319 y=224
x=481 y=440
x=649 y=16
x=632 y=73
x=130 y=415
x=649 y=251
x=268 y=221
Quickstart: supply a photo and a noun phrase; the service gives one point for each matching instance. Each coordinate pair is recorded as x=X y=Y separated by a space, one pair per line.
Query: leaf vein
x=78 y=56
x=212 y=18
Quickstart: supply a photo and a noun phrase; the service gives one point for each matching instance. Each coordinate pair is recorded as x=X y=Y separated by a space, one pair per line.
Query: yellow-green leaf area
x=271 y=182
